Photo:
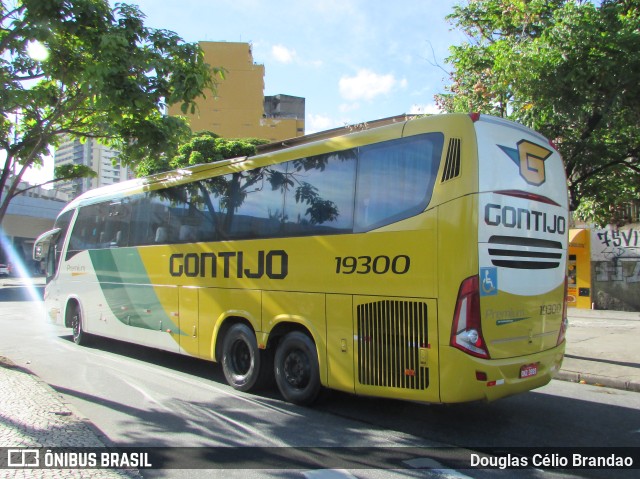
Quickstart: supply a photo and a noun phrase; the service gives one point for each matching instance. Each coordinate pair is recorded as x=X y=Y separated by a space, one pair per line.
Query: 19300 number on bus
x=366 y=264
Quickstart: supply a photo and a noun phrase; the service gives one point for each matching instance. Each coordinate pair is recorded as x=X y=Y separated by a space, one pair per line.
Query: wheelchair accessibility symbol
x=488 y=281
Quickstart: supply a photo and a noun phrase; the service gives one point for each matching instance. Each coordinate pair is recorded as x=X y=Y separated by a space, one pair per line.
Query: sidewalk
x=33 y=415
x=602 y=349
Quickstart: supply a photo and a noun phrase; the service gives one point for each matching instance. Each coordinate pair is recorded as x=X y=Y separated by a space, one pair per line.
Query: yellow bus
x=423 y=260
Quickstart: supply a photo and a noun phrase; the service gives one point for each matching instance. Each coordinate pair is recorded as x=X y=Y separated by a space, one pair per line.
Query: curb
x=56 y=405
x=595 y=380
x=603 y=314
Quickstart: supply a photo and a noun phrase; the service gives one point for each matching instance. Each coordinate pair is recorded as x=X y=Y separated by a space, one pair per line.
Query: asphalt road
x=142 y=397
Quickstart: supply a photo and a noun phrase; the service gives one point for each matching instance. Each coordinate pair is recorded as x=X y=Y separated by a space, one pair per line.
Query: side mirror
x=42 y=244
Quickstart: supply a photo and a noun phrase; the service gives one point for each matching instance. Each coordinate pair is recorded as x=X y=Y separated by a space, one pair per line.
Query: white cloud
x=283 y=54
x=316 y=123
x=366 y=85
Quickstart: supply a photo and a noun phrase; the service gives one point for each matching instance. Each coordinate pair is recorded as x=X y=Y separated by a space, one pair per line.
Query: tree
x=83 y=69
x=201 y=147
x=232 y=189
x=569 y=69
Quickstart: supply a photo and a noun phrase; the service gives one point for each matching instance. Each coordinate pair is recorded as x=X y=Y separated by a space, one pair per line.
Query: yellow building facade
x=240 y=109
x=579 y=269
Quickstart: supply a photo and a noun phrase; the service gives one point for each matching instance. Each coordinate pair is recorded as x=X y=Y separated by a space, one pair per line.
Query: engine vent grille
x=524 y=253
x=452 y=163
x=390 y=337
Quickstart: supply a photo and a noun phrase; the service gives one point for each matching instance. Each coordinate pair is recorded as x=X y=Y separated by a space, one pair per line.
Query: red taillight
x=475 y=116
x=466 y=332
x=565 y=320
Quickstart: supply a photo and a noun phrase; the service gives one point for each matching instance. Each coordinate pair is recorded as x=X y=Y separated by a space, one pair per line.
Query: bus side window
x=86 y=233
x=54 y=258
x=257 y=196
x=162 y=235
x=140 y=230
x=396 y=179
x=187 y=233
x=116 y=225
x=320 y=198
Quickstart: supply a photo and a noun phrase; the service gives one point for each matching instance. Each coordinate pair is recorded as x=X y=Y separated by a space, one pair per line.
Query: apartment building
x=240 y=109
x=90 y=153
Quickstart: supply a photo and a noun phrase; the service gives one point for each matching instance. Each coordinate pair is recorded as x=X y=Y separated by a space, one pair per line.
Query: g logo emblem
x=530 y=158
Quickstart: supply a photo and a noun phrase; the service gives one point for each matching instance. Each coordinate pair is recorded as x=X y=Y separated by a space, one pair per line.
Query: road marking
x=435 y=467
x=328 y=474
x=146 y=395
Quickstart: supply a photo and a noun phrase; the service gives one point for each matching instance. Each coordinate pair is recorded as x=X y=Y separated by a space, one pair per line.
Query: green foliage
x=202 y=147
x=72 y=171
x=604 y=201
x=569 y=69
x=231 y=190
x=105 y=76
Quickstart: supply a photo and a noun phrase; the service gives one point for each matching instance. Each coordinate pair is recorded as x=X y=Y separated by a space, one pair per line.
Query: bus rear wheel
x=245 y=367
x=296 y=369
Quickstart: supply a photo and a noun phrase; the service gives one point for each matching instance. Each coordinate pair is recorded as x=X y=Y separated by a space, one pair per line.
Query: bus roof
x=181 y=175
x=124 y=188
x=326 y=134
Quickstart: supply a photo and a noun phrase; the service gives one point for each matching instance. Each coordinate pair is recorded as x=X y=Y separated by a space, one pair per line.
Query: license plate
x=528 y=370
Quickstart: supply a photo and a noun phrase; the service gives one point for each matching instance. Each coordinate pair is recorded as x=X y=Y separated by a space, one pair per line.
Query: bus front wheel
x=244 y=365
x=296 y=369
x=79 y=336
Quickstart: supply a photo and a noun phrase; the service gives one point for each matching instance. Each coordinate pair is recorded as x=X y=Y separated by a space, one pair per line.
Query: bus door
x=188 y=321
x=47 y=250
x=340 y=342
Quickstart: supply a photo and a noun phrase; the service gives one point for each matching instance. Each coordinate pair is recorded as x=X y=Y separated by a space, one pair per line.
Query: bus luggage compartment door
x=395 y=345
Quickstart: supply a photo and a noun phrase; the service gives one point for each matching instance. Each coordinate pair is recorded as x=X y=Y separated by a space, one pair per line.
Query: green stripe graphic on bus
x=125 y=286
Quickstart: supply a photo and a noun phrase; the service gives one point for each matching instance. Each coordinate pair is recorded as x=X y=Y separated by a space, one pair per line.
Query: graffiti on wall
x=608 y=244
x=615 y=257
x=617 y=272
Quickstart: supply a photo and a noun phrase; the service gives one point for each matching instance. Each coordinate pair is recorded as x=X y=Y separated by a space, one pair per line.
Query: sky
x=352 y=60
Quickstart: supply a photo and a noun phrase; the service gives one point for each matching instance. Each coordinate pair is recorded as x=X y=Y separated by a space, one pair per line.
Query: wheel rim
x=297 y=369
x=240 y=358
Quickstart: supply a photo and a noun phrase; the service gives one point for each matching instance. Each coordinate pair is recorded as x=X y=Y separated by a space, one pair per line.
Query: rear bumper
x=459 y=380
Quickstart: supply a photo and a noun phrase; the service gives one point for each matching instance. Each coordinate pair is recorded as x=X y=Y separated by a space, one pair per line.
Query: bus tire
x=243 y=363
x=296 y=369
x=79 y=336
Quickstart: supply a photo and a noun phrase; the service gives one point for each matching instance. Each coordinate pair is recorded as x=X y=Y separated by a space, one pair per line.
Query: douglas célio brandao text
x=572 y=460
